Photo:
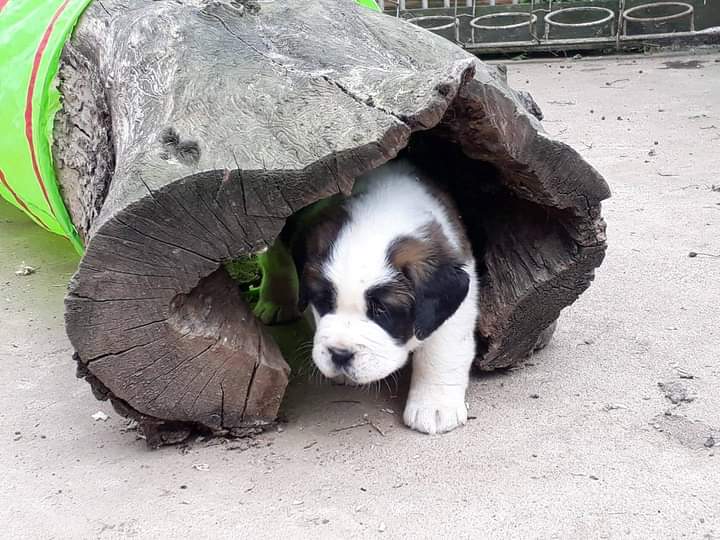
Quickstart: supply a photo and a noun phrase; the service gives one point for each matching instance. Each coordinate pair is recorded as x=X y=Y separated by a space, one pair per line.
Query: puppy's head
x=372 y=304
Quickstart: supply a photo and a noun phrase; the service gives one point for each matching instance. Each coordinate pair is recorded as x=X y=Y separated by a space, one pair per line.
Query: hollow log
x=192 y=129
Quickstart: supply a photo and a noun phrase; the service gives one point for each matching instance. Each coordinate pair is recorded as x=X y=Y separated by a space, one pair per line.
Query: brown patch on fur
x=418 y=257
x=453 y=214
x=310 y=232
x=324 y=231
x=436 y=188
x=395 y=294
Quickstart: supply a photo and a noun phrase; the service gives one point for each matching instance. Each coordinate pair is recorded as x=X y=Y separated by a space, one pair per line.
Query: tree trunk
x=191 y=130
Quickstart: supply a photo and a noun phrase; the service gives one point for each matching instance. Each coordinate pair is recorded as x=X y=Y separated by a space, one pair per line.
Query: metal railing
x=469 y=23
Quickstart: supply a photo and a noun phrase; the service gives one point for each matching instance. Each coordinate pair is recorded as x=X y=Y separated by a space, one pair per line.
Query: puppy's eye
x=377 y=308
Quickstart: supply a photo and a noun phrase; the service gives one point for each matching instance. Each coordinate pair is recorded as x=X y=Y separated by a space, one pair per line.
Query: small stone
x=183 y=486
x=25 y=270
x=655 y=143
x=709 y=442
x=100 y=416
x=297 y=503
x=692 y=254
x=382 y=527
x=676 y=392
x=602 y=118
x=535 y=396
x=613 y=407
x=325 y=521
x=685 y=374
x=201 y=467
x=593 y=477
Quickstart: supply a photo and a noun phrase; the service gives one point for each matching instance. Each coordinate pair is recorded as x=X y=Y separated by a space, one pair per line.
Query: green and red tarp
x=32 y=35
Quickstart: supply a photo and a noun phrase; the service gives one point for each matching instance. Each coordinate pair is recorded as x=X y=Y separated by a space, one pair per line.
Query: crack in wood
x=176 y=246
x=188 y=386
x=172 y=370
x=252 y=376
x=202 y=225
x=75 y=295
x=119 y=353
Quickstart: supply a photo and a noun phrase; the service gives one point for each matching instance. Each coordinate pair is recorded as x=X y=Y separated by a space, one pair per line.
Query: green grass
x=245 y=271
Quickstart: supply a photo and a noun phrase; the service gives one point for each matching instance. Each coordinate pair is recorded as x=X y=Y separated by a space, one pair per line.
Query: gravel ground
x=580 y=442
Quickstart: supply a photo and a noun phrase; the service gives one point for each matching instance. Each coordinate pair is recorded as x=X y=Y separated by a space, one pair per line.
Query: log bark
x=191 y=130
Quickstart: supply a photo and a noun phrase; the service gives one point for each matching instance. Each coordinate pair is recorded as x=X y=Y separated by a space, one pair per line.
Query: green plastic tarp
x=32 y=35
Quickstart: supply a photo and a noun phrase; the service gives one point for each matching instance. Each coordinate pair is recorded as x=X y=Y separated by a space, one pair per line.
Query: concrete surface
x=594 y=456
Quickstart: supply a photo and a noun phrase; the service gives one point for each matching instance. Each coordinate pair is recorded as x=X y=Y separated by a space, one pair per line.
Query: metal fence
x=506 y=25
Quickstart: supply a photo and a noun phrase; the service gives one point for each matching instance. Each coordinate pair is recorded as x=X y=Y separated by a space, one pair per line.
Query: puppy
x=387 y=273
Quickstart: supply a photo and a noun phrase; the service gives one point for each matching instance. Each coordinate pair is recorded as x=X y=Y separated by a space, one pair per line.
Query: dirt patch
x=691 y=434
x=683 y=64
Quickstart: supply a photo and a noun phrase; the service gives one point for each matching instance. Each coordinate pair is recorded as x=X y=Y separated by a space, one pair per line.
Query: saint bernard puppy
x=388 y=274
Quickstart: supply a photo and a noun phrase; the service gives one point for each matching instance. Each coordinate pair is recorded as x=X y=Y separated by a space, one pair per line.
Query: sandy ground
x=601 y=453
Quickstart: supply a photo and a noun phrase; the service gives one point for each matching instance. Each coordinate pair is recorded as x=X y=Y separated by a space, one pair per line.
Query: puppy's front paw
x=433 y=417
x=271 y=313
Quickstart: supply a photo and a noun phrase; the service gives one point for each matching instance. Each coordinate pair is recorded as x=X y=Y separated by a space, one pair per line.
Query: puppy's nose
x=340 y=357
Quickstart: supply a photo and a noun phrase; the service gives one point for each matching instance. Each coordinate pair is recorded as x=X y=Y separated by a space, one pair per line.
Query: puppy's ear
x=302 y=296
x=311 y=233
x=439 y=282
x=438 y=297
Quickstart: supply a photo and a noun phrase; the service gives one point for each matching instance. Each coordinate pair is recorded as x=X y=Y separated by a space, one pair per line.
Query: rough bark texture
x=221 y=119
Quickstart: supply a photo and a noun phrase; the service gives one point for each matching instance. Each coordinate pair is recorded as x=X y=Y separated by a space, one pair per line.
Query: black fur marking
x=439 y=297
x=392 y=307
x=317 y=290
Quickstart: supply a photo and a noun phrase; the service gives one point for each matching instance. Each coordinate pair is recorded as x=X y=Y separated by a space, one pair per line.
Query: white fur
x=441 y=369
x=394 y=203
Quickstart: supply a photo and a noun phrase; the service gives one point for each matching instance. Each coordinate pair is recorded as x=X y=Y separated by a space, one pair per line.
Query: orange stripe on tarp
x=3 y=3
x=28 y=100
x=24 y=206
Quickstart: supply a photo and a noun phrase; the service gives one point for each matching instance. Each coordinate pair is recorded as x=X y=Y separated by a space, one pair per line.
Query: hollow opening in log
x=517 y=243
x=514 y=241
